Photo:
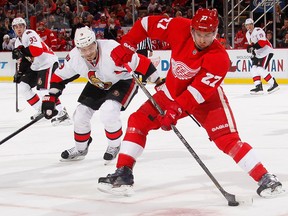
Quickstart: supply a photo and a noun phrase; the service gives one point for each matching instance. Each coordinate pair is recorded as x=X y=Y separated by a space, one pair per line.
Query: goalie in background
x=262 y=52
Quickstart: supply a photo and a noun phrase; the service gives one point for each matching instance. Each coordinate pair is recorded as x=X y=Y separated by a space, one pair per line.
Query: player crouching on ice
x=198 y=66
x=109 y=89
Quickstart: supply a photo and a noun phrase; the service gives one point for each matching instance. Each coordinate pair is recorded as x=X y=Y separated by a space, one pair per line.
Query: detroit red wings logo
x=182 y=71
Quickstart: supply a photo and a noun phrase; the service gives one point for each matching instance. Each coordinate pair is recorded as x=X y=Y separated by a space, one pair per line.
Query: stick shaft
x=228 y=196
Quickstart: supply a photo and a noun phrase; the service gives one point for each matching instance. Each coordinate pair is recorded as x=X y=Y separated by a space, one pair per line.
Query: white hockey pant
x=110 y=117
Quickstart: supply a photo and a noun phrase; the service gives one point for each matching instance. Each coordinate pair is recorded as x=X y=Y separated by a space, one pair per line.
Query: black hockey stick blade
x=22 y=128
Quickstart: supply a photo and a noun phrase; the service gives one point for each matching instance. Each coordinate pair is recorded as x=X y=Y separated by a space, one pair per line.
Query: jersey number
x=210 y=79
x=163 y=23
x=33 y=39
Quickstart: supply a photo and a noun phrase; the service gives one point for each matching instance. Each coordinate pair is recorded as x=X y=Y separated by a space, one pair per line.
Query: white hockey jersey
x=31 y=39
x=104 y=67
x=259 y=35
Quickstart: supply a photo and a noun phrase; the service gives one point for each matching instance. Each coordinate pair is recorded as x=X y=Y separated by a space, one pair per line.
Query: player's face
x=19 y=29
x=203 y=39
x=89 y=52
x=249 y=27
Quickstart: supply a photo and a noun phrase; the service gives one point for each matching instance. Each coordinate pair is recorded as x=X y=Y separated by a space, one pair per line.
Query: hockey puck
x=233 y=203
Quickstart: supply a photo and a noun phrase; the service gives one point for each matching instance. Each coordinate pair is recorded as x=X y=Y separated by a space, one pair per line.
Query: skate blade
x=267 y=193
x=124 y=190
x=62 y=123
x=274 y=90
x=79 y=158
x=257 y=93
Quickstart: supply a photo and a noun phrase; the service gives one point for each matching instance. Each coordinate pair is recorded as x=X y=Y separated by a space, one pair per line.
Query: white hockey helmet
x=84 y=36
x=18 y=21
x=249 y=21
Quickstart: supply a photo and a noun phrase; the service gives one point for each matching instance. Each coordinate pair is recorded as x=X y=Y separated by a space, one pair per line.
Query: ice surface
x=168 y=180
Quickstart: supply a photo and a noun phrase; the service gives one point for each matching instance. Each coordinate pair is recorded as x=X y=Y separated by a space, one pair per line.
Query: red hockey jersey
x=193 y=75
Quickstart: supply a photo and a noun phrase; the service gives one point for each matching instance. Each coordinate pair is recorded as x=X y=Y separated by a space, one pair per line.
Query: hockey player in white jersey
x=109 y=89
x=262 y=52
x=35 y=64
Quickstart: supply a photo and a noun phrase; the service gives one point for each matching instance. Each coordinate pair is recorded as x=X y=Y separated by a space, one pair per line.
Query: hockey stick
x=17 y=107
x=22 y=128
x=17 y=98
x=231 y=198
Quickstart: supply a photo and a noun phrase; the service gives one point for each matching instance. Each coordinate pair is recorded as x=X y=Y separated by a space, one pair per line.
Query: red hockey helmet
x=205 y=20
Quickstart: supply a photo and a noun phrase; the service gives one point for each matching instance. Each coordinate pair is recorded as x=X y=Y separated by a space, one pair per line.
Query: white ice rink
x=168 y=180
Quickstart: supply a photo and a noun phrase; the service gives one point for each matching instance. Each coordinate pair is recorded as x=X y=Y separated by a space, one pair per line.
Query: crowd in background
x=56 y=20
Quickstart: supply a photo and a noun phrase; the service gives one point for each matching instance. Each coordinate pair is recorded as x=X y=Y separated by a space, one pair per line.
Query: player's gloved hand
x=49 y=106
x=250 y=49
x=159 y=84
x=17 y=53
x=123 y=54
x=17 y=77
x=170 y=117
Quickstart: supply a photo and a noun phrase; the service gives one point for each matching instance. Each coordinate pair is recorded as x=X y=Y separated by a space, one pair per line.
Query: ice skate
x=273 y=88
x=269 y=186
x=119 y=183
x=110 y=154
x=73 y=154
x=258 y=90
x=61 y=119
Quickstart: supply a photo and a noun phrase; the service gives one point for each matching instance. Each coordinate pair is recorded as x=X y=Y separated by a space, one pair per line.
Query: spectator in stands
x=82 y=12
x=76 y=24
x=68 y=17
x=279 y=17
x=128 y=18
x=102 y=22
x=283 y=30
x=136 y=3
x=189 y=13
x=110 y=32
x=2 y=14
x=284 y=42
x=61 y=41
x=51 y=7
x=52 y=23
x=178 y=13
x=269 y=36
x=153 y=7
x=20 y=6
x=30 y=8
x=8 y=28
x=47 y=36
x=41 y=10
x=8 y=44
x=240 y=40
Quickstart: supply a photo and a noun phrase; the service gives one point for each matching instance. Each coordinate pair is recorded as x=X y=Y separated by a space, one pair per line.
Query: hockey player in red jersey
x=109 y=90
x=262 y=52
x=198 y=66
x=36 y=63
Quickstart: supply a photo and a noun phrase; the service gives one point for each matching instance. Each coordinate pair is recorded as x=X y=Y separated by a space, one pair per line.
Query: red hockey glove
x=122 y=54
x=171 y=116
x=49 y=106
